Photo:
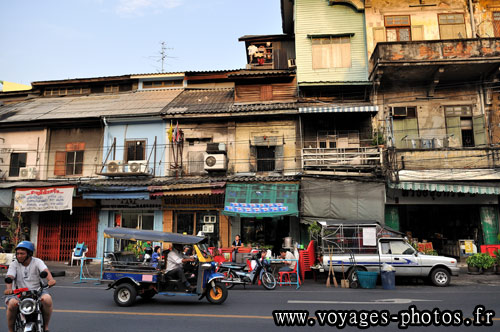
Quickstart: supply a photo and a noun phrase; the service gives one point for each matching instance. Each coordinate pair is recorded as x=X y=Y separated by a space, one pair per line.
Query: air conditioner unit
x=399 y=111
x=138 y=166
x=211 y=219
x=114 y=166
x=216 y=147
x=28 y=173
x=291 y=63
x=214 y=162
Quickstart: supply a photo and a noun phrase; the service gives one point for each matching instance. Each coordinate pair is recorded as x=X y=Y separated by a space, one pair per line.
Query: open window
x=464 y=128
x=70 y=161
x=17 y=161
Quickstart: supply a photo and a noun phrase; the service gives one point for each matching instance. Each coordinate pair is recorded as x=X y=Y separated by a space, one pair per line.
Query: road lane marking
x=103 y=312
x=383 y=301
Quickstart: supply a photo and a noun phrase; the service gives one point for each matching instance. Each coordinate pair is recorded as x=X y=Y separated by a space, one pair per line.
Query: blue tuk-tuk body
x=131 y=277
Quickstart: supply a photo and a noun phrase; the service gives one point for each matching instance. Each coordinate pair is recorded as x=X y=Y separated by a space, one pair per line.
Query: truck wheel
x=440 y=277
x=353 y=277
x=124 y=295
x=219 y=295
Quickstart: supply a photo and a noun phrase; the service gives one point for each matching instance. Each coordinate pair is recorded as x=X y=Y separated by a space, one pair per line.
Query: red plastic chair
x=284 y=276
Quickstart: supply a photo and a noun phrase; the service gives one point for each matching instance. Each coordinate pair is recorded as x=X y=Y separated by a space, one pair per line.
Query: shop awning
x=447 y=187
x=261 y=199
x=120 y=195
x=339 y=109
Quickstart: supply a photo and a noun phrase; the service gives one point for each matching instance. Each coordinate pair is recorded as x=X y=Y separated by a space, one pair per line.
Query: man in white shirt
x=175 y=268
x=285 y=254
x=25 y=272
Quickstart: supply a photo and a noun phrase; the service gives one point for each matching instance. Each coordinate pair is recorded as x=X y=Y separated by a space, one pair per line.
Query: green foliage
x=314 y=229
x=497 y=256
x=378 y=137
x=18 y=231
x=481 y=260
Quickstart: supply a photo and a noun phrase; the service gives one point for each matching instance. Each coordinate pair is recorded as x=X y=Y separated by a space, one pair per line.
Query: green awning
x=261 y=199
x=447 y=187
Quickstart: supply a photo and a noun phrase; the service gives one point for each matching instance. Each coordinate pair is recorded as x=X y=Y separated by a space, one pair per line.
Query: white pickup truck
x=367 y=246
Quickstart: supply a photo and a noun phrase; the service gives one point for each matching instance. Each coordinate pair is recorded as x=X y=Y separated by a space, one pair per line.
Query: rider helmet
x=30 y=247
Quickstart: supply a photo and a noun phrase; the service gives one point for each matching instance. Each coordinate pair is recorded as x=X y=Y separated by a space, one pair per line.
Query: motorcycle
x=29 y=316
x=235 y=273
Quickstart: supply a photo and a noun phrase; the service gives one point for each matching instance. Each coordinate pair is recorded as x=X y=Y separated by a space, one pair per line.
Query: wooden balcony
x=360 y=160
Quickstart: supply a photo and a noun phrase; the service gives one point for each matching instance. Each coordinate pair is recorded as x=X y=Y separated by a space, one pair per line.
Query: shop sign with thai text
x=43 y=199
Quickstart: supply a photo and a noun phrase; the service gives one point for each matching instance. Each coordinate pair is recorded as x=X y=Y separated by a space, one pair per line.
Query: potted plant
x=378 y=138
x=488 y=263
x=473 y=264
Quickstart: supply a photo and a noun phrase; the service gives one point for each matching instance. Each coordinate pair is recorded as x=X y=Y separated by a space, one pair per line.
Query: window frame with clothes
x=395 y=24
x=450 y=28
x=329 y=52
x=404 y=125
x=14 y=170
x=469 y=129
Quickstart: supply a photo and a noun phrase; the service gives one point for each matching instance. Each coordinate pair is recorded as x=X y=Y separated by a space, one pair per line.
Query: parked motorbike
x=29 y=316
x=235 y=274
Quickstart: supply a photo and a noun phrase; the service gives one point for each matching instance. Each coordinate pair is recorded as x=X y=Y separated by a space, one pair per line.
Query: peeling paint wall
x=483 y=16
x=24 y=141
x=92 y=156
x=423 y=19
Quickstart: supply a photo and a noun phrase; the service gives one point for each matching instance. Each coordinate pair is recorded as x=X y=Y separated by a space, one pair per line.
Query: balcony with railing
x=436 y=60
x=350 y=160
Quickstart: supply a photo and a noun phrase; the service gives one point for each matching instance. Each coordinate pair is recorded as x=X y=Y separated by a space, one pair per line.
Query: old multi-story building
x=434 y=66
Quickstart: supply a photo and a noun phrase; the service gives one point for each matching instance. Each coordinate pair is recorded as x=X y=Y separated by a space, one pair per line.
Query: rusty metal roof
x=90 y=106
x=260 y=72
x=101 y=184
x=201 y=101
x=252 y=107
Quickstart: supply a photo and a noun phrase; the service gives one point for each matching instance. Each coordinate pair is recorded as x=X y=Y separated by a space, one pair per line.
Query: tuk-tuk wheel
x=219 y=295
x=125 y=295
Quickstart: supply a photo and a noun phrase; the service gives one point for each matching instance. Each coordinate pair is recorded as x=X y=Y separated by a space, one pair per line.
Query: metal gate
x=58 y=233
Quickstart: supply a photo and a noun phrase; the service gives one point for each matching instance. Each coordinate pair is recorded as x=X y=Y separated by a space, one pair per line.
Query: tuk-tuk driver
x=175 y=268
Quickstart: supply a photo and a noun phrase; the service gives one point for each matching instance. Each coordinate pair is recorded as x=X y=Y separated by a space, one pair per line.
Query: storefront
x=194 y=209
x=444 y=213
x=263 y=213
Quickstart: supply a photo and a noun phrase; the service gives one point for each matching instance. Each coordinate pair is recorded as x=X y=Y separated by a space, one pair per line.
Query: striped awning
x=339 y=109
x=448 y=187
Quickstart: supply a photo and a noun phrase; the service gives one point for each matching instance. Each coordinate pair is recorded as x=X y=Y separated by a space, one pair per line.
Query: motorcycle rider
x=25 y=271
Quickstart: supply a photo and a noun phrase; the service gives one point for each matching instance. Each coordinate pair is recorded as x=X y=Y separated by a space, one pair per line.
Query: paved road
x=87 y=307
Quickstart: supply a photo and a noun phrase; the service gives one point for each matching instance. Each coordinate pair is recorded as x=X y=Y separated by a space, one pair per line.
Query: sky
x=44 y=40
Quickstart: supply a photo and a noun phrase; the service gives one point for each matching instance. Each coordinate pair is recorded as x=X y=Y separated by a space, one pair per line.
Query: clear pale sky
x=59 y=39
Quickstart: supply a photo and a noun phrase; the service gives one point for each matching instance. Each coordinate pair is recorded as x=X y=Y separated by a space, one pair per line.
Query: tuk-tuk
x=131 y=277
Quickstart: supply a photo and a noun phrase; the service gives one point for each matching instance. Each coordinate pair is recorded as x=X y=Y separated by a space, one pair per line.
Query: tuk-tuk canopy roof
x=147 y=235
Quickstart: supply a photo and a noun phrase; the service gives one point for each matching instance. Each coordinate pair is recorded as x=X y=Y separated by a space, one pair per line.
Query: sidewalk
x=92 y=270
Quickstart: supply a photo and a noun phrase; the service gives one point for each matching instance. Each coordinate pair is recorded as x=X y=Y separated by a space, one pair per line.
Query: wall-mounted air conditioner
x=215 y=162
x=216 y=147
x=138 y=166
x=114 y=166
x=210 y=219
x=28 y=173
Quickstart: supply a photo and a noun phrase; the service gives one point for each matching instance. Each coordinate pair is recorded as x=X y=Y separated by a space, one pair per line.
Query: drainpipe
x=472 y=21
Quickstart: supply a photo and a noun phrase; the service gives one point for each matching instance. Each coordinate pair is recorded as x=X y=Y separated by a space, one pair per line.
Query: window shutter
x=402 y=128
x=479 y=131
x=417 y=32
x=378 y=35
x=454 y=128
x=60 y=164
x=279 y=160
x=266 y=92
x=253 y=159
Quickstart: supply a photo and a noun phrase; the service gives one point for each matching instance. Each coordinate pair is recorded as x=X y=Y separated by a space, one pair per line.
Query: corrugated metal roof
x=170 y=181
x=201 y=101
x=91 y=106
x=264 y=107
x=274 y=72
